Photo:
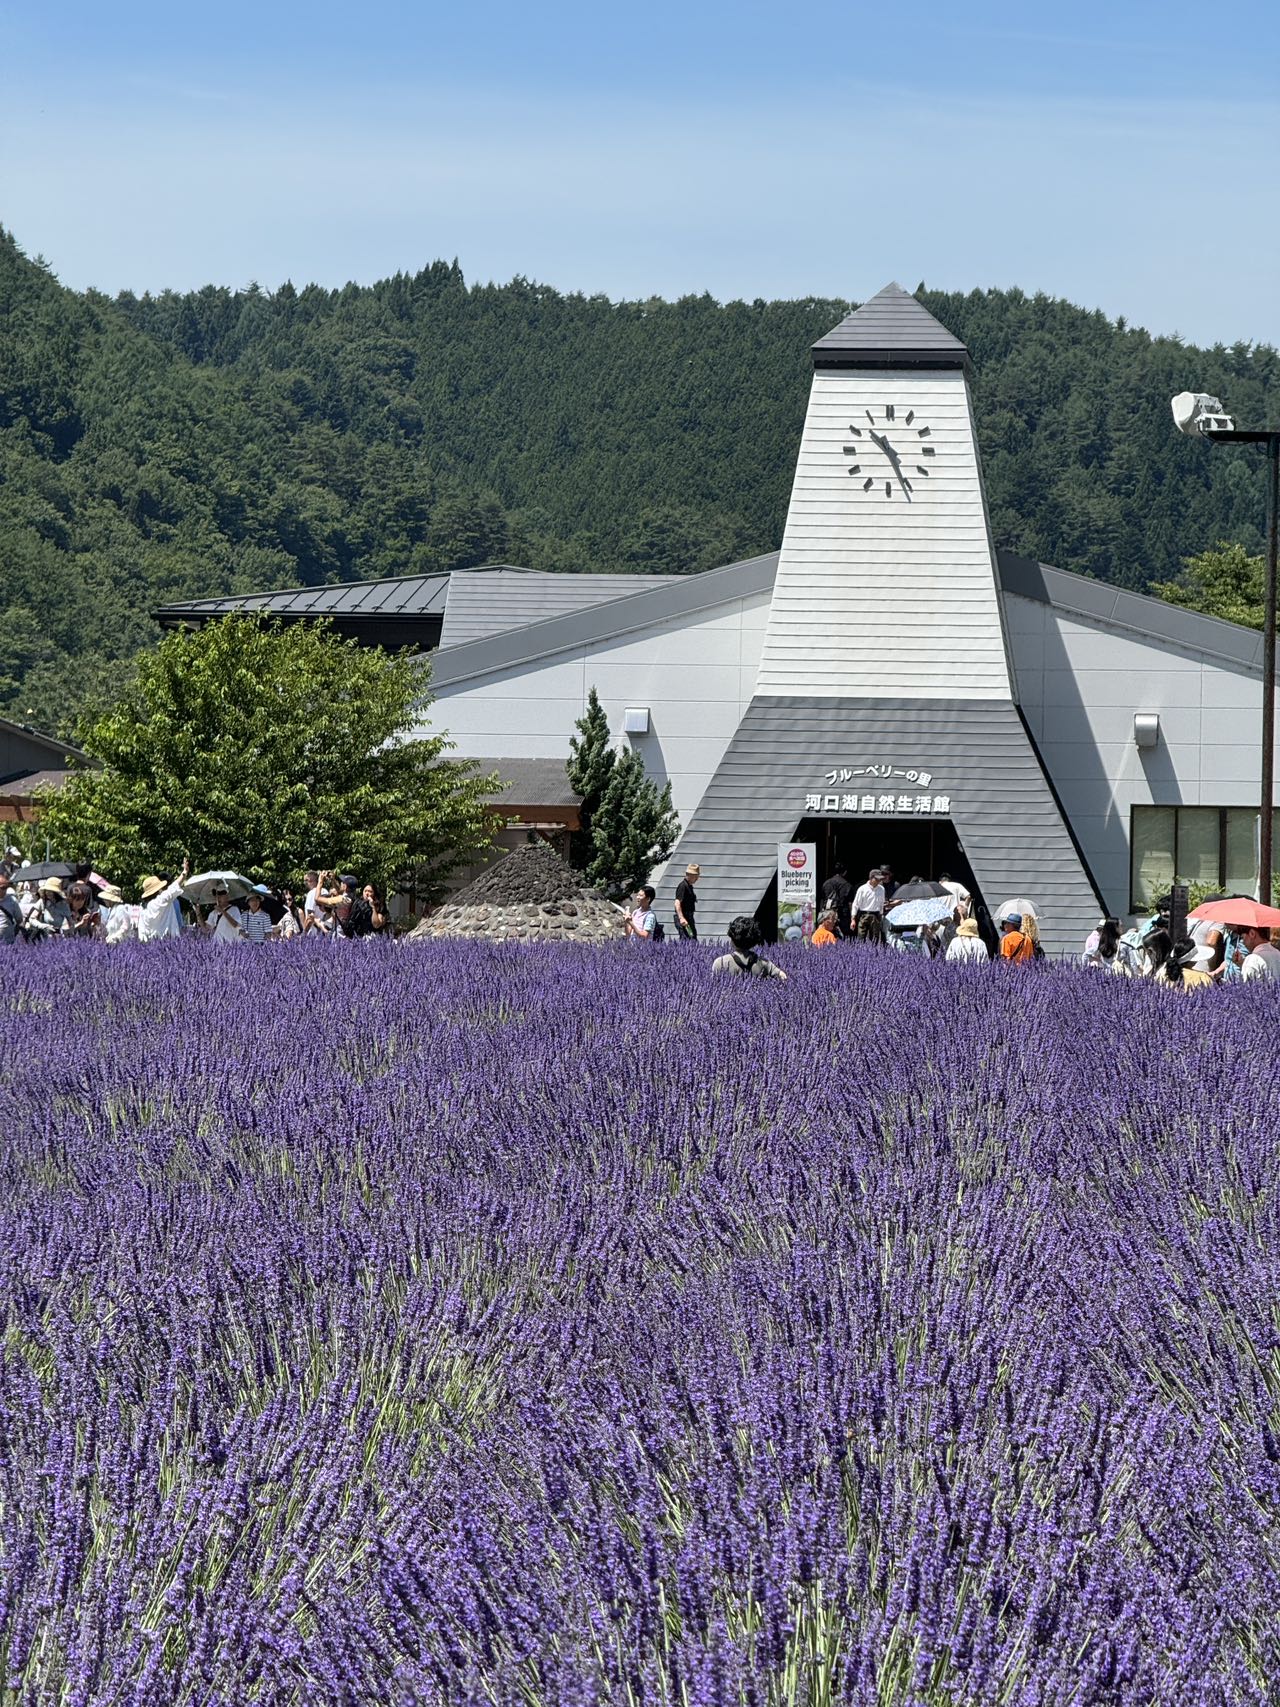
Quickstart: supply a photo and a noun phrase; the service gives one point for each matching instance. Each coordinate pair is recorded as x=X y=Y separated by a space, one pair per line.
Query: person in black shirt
x=687 y=904
x=837 y=895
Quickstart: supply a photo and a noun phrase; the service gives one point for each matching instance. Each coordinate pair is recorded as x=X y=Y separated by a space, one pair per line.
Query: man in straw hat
x=159 y=916
x=687 y=904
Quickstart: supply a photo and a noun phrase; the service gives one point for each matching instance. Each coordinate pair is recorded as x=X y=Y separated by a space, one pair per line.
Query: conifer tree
x=591 y=762
x=633 y=829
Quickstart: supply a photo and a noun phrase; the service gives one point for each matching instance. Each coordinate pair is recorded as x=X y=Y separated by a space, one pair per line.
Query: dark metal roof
x=403 y=595
x=1003 y=808
x=891 y=330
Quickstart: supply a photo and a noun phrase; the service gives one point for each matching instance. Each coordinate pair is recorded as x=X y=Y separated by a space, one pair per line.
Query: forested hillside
x=180 y=446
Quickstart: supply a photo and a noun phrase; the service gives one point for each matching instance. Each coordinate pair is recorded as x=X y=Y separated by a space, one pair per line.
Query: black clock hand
x=895 y=459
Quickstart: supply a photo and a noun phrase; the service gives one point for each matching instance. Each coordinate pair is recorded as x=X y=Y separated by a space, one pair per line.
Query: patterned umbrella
x=930 y=912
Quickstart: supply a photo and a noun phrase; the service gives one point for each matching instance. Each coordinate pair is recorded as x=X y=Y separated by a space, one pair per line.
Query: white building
x=888 y=685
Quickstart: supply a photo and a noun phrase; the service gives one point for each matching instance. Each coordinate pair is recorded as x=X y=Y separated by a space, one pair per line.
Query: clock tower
x=885 y=723
x=887 y=545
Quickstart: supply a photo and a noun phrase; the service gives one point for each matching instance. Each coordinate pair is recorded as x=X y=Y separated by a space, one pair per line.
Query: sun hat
x=151 y=886
x=967 y=927
x=693 y=870
x=1196 y=957
x=51 y=886
x=111 y=895
x=1014 y=919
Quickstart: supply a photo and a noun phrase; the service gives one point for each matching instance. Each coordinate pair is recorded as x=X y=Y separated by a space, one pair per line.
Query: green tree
x=263 y=748
x=633 y=829
x=590 y=765
x=1223 y=582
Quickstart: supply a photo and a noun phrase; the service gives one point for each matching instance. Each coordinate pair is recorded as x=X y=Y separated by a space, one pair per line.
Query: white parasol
x=199 y=889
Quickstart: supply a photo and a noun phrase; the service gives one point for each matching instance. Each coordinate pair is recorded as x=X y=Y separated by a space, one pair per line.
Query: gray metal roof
x=530 y=782
x=1004 y=811
x=682 y=595
x=891 y=330
x=1076 y=595
x=1135 y=613
x=485 y=602
x=403 y=595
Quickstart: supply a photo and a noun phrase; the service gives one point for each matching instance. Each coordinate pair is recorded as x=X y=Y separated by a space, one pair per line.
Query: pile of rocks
x=530 y=895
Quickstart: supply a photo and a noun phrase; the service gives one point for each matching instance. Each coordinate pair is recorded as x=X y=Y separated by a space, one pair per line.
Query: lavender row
x=562 y=1325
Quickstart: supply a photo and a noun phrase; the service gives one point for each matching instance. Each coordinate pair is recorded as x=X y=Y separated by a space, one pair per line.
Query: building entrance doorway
x=923 y=848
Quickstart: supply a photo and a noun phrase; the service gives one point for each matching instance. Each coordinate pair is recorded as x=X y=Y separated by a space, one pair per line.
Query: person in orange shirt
x=1013 y=944
x=826 y=931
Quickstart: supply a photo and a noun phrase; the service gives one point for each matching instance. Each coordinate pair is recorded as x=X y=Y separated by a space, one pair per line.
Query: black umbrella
x=40 y=873
x=918 y=892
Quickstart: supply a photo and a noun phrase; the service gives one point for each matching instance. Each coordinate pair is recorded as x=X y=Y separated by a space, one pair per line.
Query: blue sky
x=1123 y=155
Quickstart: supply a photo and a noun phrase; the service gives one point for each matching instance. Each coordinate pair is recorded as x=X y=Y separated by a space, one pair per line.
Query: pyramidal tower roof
x=890 y=330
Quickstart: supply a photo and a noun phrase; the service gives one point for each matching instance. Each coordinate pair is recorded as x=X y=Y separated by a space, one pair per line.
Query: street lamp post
x=1203 y=417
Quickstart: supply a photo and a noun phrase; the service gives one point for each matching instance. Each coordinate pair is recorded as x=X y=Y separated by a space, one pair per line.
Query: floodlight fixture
x=1197 y=414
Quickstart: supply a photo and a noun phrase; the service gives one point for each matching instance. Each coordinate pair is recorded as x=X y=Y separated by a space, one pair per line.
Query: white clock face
x=891 y=452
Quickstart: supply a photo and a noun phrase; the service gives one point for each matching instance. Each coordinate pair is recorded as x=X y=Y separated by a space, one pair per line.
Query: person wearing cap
x=223 y=922
x=967 y=943
x=686 y=905
x=10 y=913
x=51 y=916
x=1014 y=945
x=869 y=897
x=349 y=910
x=159 y=916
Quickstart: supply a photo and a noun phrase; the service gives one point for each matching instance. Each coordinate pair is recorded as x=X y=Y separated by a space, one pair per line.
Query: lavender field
x=491 y=1324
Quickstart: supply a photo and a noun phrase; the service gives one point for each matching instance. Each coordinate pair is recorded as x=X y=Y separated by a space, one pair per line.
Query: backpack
x=658 y=933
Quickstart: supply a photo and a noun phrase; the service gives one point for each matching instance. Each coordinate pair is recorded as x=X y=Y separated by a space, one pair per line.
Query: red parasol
x=1240 y=911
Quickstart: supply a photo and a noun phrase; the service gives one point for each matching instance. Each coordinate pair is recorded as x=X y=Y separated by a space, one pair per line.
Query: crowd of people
x=942 y=920
x=222 y=908
x=935 y=919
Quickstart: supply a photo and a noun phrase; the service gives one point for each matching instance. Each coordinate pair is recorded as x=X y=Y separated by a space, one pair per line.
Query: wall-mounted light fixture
x=635 y=720
x=1146 y=729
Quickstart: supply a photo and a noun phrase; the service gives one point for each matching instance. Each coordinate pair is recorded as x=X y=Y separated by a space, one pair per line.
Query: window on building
x=1217 y=845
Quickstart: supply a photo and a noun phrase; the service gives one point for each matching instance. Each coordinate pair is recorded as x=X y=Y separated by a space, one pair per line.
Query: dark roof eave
x=877 y=359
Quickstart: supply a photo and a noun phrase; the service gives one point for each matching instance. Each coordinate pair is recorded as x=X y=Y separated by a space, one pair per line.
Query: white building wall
x=877 y=596
x=696 y=675
x=1080 y=685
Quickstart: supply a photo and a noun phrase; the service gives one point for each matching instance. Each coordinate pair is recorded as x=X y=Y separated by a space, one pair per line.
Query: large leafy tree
x=265 y=748
x=1225 y=582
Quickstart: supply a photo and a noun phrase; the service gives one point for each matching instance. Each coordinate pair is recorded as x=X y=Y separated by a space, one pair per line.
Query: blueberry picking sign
x=797 y=890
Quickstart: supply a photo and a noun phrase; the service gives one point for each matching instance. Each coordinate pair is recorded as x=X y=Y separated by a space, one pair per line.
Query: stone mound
x=530 y=895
